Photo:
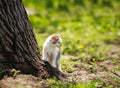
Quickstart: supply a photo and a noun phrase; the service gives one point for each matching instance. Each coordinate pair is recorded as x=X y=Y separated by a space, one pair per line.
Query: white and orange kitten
x=51 y=50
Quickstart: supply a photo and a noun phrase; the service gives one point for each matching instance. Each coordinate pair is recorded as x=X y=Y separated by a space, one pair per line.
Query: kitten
x=51 y=50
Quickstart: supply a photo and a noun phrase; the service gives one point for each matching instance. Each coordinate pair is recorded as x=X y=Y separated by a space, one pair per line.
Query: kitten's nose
x=60 y=44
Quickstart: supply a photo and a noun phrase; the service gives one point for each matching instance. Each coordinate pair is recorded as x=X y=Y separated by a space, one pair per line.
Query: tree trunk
x=18 y=46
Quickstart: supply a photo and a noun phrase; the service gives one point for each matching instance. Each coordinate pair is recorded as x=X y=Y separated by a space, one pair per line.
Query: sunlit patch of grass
x=67 y=65
x=52 y=80
x=117 y=68
x=54 y=83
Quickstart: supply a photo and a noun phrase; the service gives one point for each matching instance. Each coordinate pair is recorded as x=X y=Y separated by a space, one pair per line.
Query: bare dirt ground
x=101 y=70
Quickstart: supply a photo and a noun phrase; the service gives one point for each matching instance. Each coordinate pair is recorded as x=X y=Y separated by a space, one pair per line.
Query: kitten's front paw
x=60 y=69
x=53 y=65
x=44 y=59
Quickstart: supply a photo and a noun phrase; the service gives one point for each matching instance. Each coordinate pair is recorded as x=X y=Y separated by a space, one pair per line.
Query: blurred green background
x=87 y=26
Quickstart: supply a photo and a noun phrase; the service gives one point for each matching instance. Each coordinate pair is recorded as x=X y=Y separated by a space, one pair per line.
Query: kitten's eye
x=59 y=42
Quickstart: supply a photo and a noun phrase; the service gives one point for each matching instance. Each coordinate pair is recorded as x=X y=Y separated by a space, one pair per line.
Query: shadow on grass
x=116 y=41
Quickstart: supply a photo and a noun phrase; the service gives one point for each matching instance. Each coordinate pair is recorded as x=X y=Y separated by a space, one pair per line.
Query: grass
x=92 y=84
x=67 y=65
x=88 y=28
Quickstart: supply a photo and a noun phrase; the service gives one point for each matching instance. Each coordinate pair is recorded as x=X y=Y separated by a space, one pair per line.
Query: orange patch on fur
x=54 y=37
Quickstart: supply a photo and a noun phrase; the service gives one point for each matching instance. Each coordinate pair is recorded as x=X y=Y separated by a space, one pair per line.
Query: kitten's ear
x=59 y=34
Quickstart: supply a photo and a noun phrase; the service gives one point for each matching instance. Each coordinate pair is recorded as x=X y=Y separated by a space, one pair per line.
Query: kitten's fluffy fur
x=51 y=50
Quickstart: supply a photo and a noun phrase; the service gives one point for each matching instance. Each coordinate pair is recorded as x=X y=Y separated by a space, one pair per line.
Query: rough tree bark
x=18 y=46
